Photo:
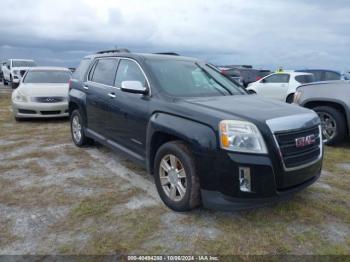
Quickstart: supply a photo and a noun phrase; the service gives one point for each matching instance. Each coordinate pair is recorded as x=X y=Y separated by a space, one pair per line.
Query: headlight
x=241 y=136
x=297 y=97
x=19 y=97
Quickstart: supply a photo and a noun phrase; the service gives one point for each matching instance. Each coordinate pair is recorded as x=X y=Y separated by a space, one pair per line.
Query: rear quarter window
x=82 y=68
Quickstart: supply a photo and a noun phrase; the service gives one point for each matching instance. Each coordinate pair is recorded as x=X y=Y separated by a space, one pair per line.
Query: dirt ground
x=56 y=198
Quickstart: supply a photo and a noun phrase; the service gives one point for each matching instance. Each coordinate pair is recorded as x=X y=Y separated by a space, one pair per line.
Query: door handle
x=85 y=87
x=112 y=95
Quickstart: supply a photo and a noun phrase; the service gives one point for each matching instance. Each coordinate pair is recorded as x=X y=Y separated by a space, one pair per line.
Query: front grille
x=295 y=156
x=50 y=112
x=50 y=99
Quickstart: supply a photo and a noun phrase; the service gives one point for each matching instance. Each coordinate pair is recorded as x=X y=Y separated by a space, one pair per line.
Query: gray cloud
x=266 y=33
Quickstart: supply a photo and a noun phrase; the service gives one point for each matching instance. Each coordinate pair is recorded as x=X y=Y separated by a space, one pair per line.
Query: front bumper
x=220 y=187
x=40 y=110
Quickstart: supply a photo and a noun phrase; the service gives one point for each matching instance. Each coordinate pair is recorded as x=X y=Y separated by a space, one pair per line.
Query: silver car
x=42 y=93
x=331 y=101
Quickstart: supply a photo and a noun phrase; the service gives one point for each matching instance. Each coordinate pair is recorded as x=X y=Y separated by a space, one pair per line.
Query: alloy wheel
x=329 y=126
x=173 y=177
x=76 y=128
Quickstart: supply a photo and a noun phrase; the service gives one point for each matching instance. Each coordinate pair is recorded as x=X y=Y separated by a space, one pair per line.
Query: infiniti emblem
x=305 y=141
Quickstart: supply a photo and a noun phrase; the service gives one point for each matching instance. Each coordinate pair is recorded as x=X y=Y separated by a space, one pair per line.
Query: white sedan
x=42 y=93
x=280 y=86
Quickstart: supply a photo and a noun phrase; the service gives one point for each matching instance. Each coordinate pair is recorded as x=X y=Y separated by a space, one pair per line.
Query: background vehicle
x=15 y=69
x=245 y=75
x=1 y=72
x=323 y=74
x=42 y=93
x=331 y=101
x=202 y=136
x=280 y=86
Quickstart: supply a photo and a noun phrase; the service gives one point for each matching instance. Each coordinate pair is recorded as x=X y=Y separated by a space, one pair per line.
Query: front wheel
x=176 y=178
x=333 y=124
x=77 y=130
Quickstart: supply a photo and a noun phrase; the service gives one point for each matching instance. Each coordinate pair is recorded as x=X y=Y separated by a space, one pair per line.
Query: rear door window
x=277 y=78
x=105 y=71
x=304 y=79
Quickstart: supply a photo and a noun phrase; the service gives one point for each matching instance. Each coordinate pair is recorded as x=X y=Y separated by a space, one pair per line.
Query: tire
x=14 y=85
x=5 y=82
x=190 y=199
x=79 y=140
x=290 y=98
x=251 y=92
x=18 y=119
x=335 y=116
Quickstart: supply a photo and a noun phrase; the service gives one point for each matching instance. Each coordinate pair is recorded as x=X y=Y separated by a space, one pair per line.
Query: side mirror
x=263 y=81
x=134 y=87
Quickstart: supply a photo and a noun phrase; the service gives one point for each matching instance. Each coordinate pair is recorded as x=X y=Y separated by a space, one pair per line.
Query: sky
x=294 y=34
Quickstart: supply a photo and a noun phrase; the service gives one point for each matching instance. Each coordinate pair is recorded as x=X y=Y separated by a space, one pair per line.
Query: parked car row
x=201 y=134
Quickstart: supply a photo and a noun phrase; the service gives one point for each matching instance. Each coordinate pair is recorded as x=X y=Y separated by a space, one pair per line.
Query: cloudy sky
x=265 y=33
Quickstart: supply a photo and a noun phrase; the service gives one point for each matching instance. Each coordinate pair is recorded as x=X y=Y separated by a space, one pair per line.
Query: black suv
x=203 y=138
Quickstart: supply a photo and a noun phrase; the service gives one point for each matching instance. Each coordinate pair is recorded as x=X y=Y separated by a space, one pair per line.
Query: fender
x=79 y=98
x=330 y=100
x=201 y=137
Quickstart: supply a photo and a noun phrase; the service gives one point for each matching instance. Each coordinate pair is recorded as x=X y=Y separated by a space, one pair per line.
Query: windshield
x=48 y=76
x=16 y=63
x=188 y=78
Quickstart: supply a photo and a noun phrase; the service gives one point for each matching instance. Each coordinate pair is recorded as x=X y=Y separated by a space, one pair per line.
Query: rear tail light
x=258 y=78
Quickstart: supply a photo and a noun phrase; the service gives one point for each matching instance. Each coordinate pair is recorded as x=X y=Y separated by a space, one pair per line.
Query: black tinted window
x=129 y=71
x=303 y=79
x=332 y=76
x=80 y=71
x=277 y=78
x=105 y=71
x=48 y=76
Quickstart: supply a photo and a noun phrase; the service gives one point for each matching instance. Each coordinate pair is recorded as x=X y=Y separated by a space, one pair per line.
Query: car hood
x=246 y=107
x=37 y=90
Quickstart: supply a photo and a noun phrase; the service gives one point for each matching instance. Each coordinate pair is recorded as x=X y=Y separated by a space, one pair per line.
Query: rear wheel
x=333 y=124
x=77 y=130
x=175 y=177
x=290 y=98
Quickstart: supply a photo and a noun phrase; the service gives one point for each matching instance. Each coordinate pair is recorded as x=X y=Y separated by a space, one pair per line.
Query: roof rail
x=119 y=50
x=167 y=53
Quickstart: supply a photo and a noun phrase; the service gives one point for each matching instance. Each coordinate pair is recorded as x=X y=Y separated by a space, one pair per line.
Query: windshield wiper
x=211 y=77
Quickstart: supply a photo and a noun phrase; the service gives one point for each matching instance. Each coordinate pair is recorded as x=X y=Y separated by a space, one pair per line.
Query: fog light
x=244 y=179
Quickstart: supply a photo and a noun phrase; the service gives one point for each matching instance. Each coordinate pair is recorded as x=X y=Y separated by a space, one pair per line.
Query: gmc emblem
x=305 y=141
